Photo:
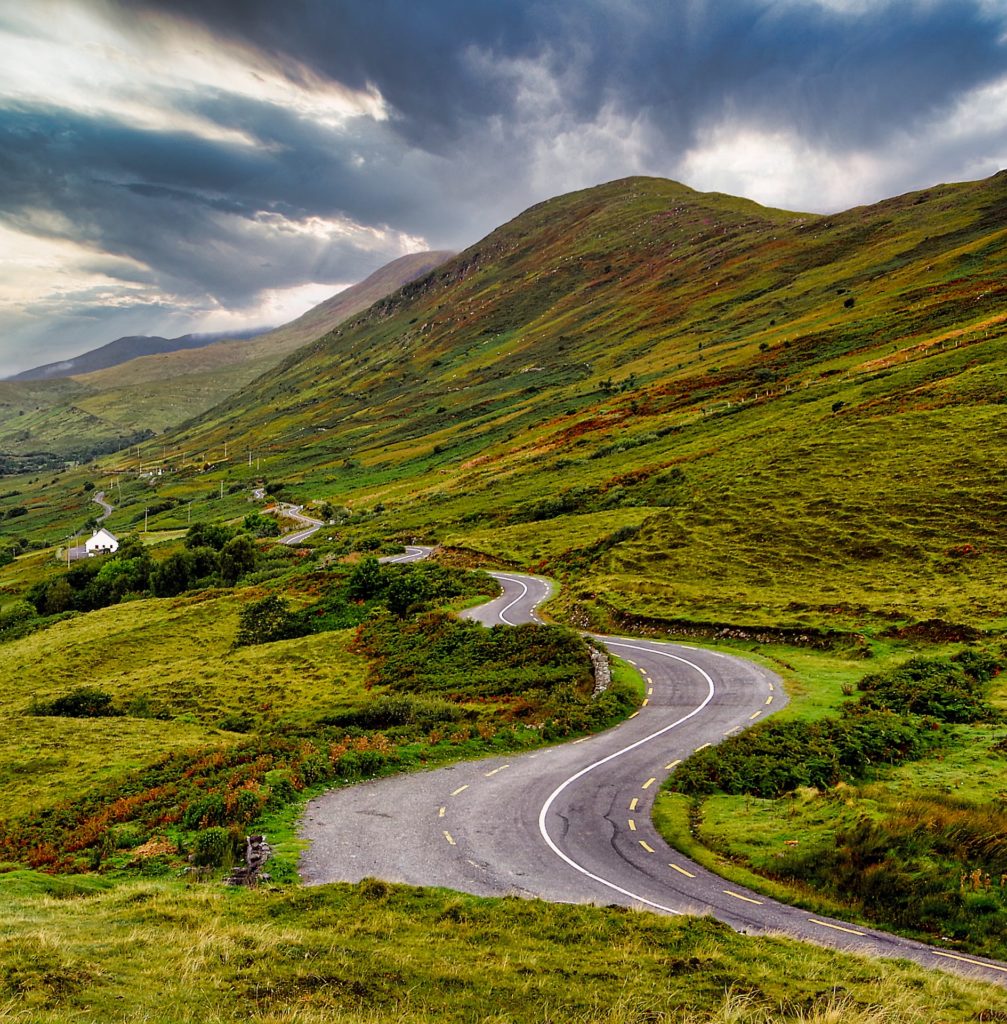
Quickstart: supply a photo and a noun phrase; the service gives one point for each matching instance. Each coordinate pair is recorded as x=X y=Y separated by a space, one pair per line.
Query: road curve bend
x=572 y=823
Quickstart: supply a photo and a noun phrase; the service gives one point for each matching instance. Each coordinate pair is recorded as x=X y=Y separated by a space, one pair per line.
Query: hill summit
x=709 y=410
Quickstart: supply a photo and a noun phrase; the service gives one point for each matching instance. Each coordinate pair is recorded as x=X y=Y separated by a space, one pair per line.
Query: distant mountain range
x=136 y=387
x=123 y=349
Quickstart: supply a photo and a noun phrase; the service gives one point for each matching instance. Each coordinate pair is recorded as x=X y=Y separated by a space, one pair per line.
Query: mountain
x=702 y=410
x=88 y=413
x=122 y=350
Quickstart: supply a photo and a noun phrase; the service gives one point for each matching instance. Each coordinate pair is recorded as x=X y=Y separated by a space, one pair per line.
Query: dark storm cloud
x=848 y=77
x=492 y=105
x=189 y=208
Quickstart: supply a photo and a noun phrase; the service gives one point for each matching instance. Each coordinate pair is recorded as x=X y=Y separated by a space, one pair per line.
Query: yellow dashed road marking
x=672 y=764
x=440 y=813
x=966 y=960
x=756 y=715
x=635 y=713
x=632 y=825
x=681 y=871
x=633 y=803
x=495 y=770
x=769 y=699
x=449 y=838
x=650 y=782
x=771 y=686
x=646 y=701
x=733 y=728
x=649 y=849
x=738 y=896
x=650 y=692
x=703 y=747
x=460 y=789
x=836 y=927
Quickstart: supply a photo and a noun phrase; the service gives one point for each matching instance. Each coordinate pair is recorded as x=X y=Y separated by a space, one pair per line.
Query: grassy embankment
x=887 y=807
x=168 y=954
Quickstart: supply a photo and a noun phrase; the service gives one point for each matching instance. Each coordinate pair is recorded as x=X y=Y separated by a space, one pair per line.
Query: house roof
x=104 y=534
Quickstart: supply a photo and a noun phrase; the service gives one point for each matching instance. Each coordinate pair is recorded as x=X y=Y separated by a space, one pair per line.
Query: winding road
x=572 y=823
x=106 y=509
x=295 y=512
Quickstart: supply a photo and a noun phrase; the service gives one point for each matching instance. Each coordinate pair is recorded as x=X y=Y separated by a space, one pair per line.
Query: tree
x=172 y=576
x=366 y=580
x=261 y=526
x=237 y=558
x=404 y=591
x=208 y=535
x=265 y=621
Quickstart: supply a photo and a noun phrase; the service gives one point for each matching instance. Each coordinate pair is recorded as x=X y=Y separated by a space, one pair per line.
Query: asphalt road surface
x=311 y=525
x=572 y=823
x=413 y=553
x=106 y=508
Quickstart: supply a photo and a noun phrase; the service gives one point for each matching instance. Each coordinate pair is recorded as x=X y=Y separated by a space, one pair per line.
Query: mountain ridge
x=121 y=350
x=148 y=393
x=615 y=333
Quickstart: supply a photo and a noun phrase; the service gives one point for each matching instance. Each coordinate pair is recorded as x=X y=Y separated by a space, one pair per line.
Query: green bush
x=437 y=653
x=82 y=702
x=949 y=690
x=213 y=847
x=268 y=620
x=896 y=719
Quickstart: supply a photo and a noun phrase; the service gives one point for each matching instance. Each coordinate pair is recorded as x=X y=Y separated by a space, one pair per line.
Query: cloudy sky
x=177 y=165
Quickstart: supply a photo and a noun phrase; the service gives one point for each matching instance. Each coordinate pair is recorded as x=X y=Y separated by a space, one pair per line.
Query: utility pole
x=249 y=458
x=222 y=488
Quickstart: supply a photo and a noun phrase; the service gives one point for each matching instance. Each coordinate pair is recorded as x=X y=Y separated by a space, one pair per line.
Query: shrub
x=82 y=702
x=213 y=847
x=265 y=621
x=894 y=720
x=949 y=690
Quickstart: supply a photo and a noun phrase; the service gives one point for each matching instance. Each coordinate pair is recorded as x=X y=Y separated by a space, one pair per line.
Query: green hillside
x=76 y=417
x=713 y=413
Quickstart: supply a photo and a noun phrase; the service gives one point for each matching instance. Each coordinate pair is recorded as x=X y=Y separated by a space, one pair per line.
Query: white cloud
x=779 y=168
x=58 y=53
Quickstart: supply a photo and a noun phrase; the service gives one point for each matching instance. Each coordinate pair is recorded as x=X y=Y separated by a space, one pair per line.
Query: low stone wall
x=602 y=671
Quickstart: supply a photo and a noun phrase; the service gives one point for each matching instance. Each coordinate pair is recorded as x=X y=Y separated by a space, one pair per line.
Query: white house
x=101 y=543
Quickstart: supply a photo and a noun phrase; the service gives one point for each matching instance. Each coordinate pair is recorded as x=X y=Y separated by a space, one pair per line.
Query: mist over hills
x=123 y=349
x=128 y=396
x=730 y=386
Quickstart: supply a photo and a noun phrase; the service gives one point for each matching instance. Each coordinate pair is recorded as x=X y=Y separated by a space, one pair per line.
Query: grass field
x=172 y=662
x=166 y=953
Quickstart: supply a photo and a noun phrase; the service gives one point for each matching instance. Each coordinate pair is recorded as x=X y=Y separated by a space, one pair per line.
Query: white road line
x=501 y=615
x=543 y=813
